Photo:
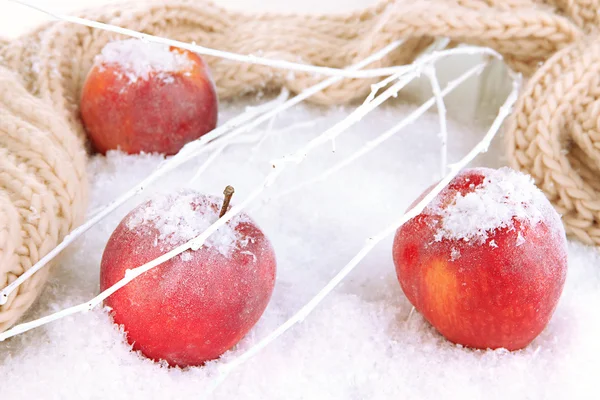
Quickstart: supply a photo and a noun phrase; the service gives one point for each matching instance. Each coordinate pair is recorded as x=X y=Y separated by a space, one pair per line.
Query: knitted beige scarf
x=553 y=133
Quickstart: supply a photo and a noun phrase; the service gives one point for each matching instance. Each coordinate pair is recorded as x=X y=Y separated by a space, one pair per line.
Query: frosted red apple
x=199 y=304
x=486 y=261
x=144 y=97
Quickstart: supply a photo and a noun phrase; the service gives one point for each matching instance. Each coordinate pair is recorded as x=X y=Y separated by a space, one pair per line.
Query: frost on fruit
x=504 y=196
x=454 y=254
x=184 y=215
x=138 y=59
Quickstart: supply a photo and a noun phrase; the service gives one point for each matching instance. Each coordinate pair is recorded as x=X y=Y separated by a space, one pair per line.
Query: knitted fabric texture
x=553 y=134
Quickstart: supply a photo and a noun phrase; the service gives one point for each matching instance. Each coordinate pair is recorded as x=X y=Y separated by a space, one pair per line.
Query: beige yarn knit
x=554 y=133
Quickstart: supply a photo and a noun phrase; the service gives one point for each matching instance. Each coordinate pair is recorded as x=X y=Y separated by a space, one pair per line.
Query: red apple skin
x=148 y=116
x=490 y=297
x=187 y=312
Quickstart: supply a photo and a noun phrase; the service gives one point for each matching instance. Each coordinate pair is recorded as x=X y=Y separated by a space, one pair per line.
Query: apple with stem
x=199 y=304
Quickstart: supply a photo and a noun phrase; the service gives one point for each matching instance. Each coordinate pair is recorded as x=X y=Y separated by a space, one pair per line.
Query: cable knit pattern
x=553 y=133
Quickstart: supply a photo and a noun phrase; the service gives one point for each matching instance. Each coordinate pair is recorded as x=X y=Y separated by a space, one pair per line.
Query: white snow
x=360 y=343
x=454 y=254
x=138 y=59
x=520 y=239
x=183 y=215
x=504 y=197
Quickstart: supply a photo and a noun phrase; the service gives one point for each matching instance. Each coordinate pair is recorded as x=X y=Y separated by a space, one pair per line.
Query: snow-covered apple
x=146 y=97
x=201 y=303
x=485 y=262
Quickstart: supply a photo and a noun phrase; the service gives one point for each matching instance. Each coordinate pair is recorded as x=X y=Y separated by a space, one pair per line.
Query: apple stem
x=228 y=192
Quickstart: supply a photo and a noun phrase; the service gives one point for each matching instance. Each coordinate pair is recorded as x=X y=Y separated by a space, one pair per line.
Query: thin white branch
x=211 y=158
x=376 y=87
x=252 y=59
x=437 y=45
x=441 y=107
x=264 y=135
x=535 y=353
x=367 y=107
x=299 y=316
x=410 y=118
x=410 y=314
x=224 y=144
x=271 y=123
x=277 y=132
x=351 y=119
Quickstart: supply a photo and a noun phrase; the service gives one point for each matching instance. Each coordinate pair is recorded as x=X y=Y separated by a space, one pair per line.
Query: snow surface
x=362 y=342
x=139 y=59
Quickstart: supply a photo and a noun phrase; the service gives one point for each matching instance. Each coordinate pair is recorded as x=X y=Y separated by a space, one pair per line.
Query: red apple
x=144 y=97
x=486 y=261
x=198 y=305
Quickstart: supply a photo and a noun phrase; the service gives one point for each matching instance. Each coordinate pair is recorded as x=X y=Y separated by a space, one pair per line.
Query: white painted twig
x=271 y=124
x=183 y=156
x=252 y=59
x=410 y=118
x=264 y=137
x=417 y=67
x=441 y=107
x=351 y=119
x=299 y=316
x=535 y=353
x=410 y=314
x=211 y=158
x=277 y=132
x=224 y=144
x=376 y=87
x=438 y=45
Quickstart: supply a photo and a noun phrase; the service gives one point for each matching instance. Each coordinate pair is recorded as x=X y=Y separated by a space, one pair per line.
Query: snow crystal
x=505 y=196
x=359 y=343
x=186 y=256
x=454 y=254
x=184 y=215
x=138 y=59
x=520 y=239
